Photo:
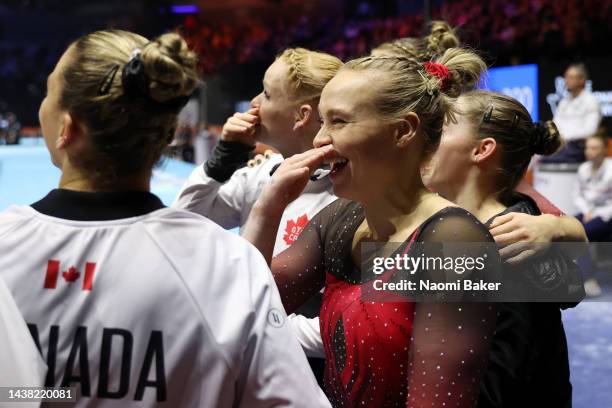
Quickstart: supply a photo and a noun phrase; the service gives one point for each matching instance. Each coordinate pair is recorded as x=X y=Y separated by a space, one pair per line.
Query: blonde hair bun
x=170 y=66
x=442 y=37
x=128 y=131
x=465 y=68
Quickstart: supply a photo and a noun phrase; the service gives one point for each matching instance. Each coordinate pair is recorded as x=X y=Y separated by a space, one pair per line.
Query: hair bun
x=170 y=66
x=442 y=37
x=545 y=138
x=465 y=68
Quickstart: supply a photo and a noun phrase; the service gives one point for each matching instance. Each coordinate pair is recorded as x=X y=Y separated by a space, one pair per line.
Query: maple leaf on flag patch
x=294 y=229
x=71 y=274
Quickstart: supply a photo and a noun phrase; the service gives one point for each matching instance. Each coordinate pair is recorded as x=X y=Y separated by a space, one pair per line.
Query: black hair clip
x=107 y=81
x=487 y=115
x=134 y=78
x=515 y=120
x=136 y=83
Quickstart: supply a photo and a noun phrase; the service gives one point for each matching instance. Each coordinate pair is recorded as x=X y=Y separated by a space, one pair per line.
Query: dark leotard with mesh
x=394 y=353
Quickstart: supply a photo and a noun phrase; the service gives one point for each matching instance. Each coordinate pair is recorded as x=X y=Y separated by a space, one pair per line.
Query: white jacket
x=21 y=364
x=229 y=204
x=161 y=309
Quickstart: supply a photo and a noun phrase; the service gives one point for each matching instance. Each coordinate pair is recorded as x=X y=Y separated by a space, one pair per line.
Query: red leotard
x=386 y=354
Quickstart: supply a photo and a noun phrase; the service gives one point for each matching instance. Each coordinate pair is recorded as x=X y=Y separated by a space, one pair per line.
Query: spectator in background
x=593 y=199
x=13 y=129
x=577 y=117
x=186 y=129
x=203 y=143
x=10 y=128
x=3 y=128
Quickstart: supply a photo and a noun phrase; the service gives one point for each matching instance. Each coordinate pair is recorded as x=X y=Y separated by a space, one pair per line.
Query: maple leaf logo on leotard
x=294 y=228
x=71 y=274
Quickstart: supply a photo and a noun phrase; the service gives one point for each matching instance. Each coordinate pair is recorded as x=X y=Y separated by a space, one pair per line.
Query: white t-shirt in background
x=578 y=117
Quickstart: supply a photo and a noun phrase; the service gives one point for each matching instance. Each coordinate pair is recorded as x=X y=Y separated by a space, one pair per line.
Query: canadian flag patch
x=294 y=229
x=70 y=275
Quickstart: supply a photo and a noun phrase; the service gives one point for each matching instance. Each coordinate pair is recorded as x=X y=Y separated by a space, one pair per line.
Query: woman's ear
x=71 y=132
x=407 y=129
x=303 y=117
x=484 y=149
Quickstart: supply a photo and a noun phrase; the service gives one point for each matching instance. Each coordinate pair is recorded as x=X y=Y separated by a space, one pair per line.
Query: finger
x=293 y=181
x=311 y=158
x=234 y=129
x=508 y=238
x=505 y=228
x=240 y=122
x=308 y=154
x=312 y=161
x=247 y=117
x=300 y=156
x=502 y=219
x=512 y=250
x=295 y=174
x=521 y=257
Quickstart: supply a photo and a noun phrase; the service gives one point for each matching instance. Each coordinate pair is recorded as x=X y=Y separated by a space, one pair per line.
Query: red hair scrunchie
x=439 y=71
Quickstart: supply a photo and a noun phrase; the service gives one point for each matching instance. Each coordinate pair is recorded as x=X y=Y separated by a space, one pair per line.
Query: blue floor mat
x=26 y=175
x=589 y=335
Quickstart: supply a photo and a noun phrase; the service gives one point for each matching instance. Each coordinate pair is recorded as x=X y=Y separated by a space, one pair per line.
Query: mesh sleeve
x=451 y=340
x=299 y=271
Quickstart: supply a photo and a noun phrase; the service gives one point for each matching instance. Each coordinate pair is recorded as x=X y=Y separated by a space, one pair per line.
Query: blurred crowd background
x=236 y=39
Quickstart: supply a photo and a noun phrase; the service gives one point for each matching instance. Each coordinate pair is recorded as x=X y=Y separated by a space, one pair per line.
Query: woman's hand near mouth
x=241 y=127
x=290 y=179
x=286 y=185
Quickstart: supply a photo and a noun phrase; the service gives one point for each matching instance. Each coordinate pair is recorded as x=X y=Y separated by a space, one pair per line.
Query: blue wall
x=519 y=82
